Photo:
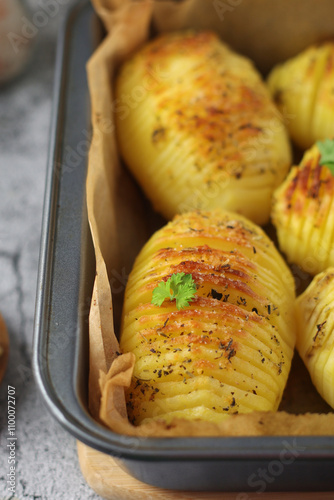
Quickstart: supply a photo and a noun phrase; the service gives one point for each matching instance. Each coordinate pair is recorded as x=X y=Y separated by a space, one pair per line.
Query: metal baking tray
x=60 y=347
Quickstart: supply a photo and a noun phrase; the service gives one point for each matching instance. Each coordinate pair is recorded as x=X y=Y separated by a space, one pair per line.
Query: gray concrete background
x=46 y=460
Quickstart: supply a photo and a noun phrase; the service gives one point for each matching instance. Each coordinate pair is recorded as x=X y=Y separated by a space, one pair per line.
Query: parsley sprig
x=326 y=149
x=179 y=286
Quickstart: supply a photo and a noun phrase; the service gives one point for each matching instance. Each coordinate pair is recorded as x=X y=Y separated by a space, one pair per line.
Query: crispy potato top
x=197 y=127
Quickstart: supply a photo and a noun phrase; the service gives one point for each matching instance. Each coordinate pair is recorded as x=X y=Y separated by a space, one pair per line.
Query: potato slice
x=303 y=90
x=196 y=126
x=303 y=214
x=230 y=349
x=315 y=334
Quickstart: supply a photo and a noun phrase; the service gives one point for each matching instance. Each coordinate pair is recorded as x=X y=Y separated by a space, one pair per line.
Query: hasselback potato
x=196 y=126
x=230 y=349
x=315 y=334
x=302 y=88
x=303 y=213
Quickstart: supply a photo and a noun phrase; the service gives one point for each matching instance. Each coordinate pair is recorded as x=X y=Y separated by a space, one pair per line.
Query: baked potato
x=303 y=214
x=197 y=127
x=315 y=332
x=303 y=90
x=230 y=349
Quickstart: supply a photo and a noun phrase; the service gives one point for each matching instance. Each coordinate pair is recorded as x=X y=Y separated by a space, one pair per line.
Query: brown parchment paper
x=120 y=219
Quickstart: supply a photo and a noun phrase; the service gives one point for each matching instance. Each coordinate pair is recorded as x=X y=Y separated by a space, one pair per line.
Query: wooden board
x=107 y=479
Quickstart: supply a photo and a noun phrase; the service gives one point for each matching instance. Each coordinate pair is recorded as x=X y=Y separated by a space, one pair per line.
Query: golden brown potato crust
x=230 y=349
x=196 y=126
x=303 y=213
x=302 y=88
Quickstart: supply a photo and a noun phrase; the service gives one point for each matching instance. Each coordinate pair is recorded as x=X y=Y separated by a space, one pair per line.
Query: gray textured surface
x=46 y=460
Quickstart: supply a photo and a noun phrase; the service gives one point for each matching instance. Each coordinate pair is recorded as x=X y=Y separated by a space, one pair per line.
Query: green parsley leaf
x=179 y=286
x=161 y=292
x=326 y=149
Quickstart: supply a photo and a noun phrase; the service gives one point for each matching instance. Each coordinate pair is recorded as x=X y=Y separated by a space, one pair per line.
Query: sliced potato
x=303 y=90
x=303 y=213
x=315 y=337
x=230 y=349
x=196 y=125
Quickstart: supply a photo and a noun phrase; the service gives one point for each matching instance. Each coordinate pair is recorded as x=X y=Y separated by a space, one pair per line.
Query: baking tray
x=60 y=348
